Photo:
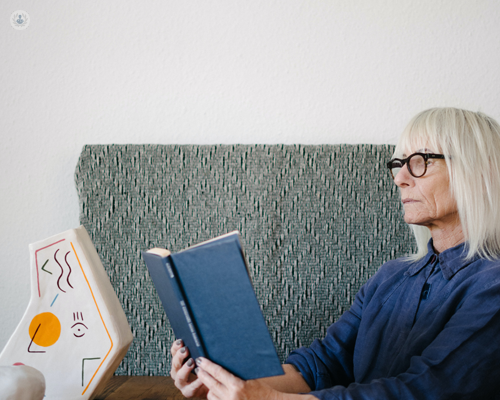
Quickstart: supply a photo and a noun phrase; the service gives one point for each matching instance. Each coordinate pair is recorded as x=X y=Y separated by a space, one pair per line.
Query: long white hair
x=470 y=142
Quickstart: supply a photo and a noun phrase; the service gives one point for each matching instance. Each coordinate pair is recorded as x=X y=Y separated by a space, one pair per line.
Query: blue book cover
x=172 y=299
x=214 y=279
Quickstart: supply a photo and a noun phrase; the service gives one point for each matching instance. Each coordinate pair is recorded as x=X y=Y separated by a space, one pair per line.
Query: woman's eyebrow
x=422 y=150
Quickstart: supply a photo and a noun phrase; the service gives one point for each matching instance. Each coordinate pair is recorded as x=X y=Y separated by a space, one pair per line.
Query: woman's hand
x=180 y=372
x=222 y=385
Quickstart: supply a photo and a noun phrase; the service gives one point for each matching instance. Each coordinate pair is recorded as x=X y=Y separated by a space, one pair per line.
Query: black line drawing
x=33 y=338
x=83 y=370
x=43 y=267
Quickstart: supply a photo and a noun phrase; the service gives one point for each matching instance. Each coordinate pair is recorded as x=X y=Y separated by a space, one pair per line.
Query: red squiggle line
x=36 y=262
x=62 y=271
x=66 y=259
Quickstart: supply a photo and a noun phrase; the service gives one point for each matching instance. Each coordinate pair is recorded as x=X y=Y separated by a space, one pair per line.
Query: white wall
x=215 y=71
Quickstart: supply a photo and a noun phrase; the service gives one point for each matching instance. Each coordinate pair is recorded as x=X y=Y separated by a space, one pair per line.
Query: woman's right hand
x=181 y=372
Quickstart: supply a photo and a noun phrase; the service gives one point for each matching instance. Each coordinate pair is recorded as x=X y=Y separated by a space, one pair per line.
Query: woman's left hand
x=223 y=385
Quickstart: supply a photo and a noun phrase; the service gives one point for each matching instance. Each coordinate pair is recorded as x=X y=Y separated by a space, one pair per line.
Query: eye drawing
x=79 y=329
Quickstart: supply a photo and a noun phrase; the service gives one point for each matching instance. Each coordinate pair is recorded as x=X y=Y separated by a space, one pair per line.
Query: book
x=209 y=299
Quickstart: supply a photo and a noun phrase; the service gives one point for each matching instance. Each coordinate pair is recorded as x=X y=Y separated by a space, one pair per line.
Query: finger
x=218 y=381
x=214 y=386
x=183 y=375
x=193 y=389
x=178 y=361
x=217 y=372
x=212 y=396
x=176 y=346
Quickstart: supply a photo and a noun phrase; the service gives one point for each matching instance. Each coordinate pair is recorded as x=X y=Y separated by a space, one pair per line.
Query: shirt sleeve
x=461 y=362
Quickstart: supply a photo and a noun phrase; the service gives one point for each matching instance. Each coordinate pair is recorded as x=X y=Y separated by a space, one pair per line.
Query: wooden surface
x=140 y=388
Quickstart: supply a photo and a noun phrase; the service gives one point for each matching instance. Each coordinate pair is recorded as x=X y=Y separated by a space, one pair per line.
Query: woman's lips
x=406 y=201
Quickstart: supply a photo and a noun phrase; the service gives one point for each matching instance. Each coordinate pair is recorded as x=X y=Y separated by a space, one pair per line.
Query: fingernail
x=183 y=350
x=190 y=362
x=199 y=360
x=196 y=370
x=178 y=342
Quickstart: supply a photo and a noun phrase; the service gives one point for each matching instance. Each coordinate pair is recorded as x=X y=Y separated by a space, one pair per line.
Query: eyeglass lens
x=416 y=165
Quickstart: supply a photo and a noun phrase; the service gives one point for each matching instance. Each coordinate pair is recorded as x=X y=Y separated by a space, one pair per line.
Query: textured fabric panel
x=316 y=223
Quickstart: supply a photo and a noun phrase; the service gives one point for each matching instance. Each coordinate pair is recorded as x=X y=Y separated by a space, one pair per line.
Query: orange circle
x=45 y=329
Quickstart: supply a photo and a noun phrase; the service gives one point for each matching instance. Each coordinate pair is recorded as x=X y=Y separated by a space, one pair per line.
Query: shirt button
x=433 y=258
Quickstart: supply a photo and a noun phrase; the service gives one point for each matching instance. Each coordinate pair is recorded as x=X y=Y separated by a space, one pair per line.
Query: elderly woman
x=423 y=327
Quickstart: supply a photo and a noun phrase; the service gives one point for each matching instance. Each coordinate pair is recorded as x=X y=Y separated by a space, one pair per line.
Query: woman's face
x=428 y=200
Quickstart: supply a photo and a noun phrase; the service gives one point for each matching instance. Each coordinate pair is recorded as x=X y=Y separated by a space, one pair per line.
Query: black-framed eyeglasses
x=416 y=164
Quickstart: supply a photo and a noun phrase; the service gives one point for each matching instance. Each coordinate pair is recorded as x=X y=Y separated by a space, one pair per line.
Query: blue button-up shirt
x=428 y=329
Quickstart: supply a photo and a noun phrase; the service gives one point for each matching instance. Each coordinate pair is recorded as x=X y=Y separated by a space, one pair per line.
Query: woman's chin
x=413 y=220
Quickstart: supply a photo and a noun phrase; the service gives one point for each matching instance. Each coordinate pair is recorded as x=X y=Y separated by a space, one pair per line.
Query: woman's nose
x=403 y=177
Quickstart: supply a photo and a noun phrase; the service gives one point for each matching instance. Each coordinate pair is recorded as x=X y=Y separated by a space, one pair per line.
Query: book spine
x=190 y=324
x=185 y=310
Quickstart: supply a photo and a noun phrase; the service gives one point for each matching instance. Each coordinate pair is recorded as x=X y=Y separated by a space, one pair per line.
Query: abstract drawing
x=78 y=327
x=74 y=326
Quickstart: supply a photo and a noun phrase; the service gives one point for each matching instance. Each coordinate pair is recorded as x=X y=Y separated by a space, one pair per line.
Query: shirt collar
x=451 y=260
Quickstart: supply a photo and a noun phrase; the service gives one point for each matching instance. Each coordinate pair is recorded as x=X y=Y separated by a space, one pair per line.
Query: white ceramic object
x=74 y=330
x=21 y=383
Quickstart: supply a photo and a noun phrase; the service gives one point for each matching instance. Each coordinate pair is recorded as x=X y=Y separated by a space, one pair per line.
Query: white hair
x=470 y=142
